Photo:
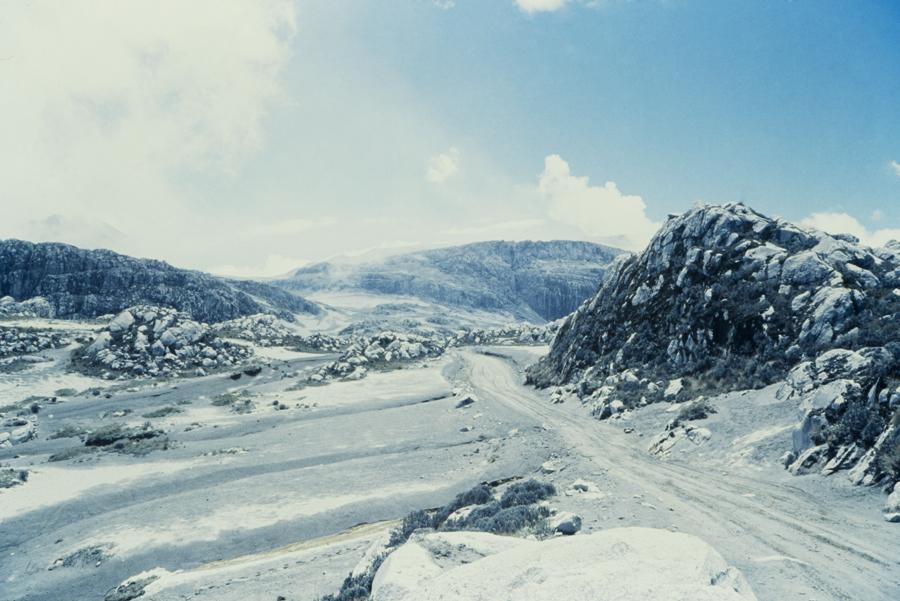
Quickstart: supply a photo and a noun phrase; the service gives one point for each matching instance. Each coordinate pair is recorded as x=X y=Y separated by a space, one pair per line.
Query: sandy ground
x=285 y=502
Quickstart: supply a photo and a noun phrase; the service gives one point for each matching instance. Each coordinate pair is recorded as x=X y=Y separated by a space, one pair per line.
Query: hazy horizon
x=250 y=138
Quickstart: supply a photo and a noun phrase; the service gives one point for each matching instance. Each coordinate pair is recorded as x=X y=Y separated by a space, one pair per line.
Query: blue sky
x=278 y=132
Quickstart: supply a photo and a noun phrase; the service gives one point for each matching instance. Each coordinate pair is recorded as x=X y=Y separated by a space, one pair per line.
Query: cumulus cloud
x=115 y=107
x=896 y=167
x=442 y=167
x=600 y=212
x=540 y=6
x=843 y=223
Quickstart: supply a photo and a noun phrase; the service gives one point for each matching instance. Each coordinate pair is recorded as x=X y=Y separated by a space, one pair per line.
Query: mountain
x=87 y=283
x=725 y=298
x=535 y=280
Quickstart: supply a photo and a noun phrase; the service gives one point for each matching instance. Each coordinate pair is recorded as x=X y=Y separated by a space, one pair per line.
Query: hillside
x=725 y=298
x=538 y=281
x=87 y=283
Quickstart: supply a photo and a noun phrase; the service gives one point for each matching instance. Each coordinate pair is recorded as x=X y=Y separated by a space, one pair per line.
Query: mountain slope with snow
x=535 y=280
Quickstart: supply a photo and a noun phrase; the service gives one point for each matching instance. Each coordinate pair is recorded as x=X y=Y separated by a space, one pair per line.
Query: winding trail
x=791 y=544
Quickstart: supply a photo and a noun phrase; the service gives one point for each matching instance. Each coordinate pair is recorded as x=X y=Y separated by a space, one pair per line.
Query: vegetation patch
x=240 y=402
x=68 y=431
x=516 y=511
x=70 y=453
x=163 y=412
x=700 y=408
x=87 y=557
x=10 y=477
x=117 y=438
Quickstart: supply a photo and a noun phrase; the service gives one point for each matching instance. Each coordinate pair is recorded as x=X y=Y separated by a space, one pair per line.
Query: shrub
x=479 y=495
x=526 y=493
x=163 y=412
x=10 y=477
x=67 y=432
x=513 y=519
x=411 y=523
x=697 y=409
x=108 y=435
x=489 y=516
x=359 y=587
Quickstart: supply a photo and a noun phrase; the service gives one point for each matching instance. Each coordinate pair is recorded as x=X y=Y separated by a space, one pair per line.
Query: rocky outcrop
x=25 y=341
x=537 y=281
x=849 y=409
x=270 y=330
x=32 y=307
x=386 y=350
x=147 y=341
x=725 y=298
x=627 y=564
x=88 y=283
x=521 y=333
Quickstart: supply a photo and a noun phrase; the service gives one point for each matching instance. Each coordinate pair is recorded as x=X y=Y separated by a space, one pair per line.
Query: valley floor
x=284 y=502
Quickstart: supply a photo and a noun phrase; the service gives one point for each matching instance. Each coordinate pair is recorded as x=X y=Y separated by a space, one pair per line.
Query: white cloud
x=843 y=223
x=515 y=227
x=540 y=6
x=601 y=212
x=274 y=265
x=290 y=227
x=877 y=215
x=116 y=107
x=74 y=230
x=442 y=167
x=896 y=167
x=444 y=4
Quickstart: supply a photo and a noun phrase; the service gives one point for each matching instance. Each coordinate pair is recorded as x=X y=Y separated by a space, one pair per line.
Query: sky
x=250 y=137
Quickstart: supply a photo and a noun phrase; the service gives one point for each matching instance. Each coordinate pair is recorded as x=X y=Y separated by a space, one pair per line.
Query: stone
x=565 y=522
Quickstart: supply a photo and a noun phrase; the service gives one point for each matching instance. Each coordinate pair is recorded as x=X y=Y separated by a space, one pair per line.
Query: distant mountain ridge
x=534 y=280
x=80 y=283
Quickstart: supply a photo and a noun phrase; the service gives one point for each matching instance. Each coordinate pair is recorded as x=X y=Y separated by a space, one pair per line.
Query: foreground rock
x=626 y=564
x=155 y=341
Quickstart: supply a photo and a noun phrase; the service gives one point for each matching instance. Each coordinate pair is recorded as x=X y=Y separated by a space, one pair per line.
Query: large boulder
x=625 y=564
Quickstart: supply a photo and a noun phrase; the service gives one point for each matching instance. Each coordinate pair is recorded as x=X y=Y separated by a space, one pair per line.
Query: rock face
x=88 y=283
x=147 y=341
x=725 y=298
x=626 y=564
x=537 y=281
